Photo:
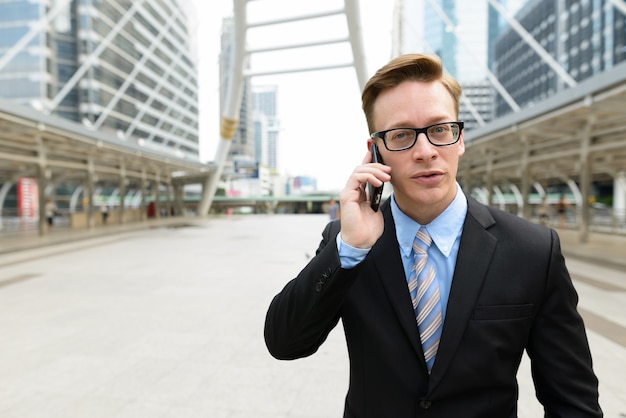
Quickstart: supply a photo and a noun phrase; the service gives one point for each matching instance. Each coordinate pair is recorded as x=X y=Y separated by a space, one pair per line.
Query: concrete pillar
x=499 y=197
x=585 y=180
x=482 y=195
x=519 y=199
x=179 y=191
x=6 y=186
x=489 y=180
x=42 y=182
x=144 y=190
x=122 y=197
x=157 y=195
x=122 y=193
x=88 y=203
x=169 y=198
x=619 y=197
x=525 y=210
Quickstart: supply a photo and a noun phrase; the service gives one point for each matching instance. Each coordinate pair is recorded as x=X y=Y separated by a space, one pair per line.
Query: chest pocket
x=502 y=312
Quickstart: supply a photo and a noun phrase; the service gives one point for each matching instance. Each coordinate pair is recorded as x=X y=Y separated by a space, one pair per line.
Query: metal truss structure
x=240 y=70
x=575 y=138
x=134 y=155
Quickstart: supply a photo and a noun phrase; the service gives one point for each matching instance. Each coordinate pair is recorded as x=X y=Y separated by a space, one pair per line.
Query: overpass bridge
x=576 y=137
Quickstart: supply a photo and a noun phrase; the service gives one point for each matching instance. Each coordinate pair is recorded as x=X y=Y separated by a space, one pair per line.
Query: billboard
x=27 y=198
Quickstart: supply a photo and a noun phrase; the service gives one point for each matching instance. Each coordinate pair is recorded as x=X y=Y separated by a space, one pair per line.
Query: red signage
x=27 y=198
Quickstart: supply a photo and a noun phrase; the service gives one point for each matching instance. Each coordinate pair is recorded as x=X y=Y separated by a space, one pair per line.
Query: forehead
x=413 y=103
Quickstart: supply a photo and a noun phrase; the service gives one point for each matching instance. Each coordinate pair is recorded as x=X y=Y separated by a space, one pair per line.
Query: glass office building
x=585 y=37
x=446 y=28
x=120 y=66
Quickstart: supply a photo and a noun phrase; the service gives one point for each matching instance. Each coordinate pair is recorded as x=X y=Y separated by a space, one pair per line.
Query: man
x=439 y=330
x=51 y=210
x=104 y=209
x=333 y=210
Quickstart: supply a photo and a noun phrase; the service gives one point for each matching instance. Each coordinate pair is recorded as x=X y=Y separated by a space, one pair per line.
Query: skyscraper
x=264 y=106
x=119 y=66
x=497 y=24
x=457 y=32
x=254 y=148
x=584 y=37
x=438 y=36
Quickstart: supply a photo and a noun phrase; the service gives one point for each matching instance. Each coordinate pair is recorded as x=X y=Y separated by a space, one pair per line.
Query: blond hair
x=414 y=67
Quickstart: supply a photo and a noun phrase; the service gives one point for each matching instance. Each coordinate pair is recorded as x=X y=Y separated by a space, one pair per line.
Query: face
x=424 y=176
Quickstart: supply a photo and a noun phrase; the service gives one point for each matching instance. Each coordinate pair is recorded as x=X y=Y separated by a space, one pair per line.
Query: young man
x=439 y=295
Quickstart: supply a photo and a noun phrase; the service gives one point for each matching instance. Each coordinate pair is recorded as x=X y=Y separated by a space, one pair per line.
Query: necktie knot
x=422 y=241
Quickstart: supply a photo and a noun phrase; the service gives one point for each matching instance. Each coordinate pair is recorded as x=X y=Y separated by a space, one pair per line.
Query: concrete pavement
x=166 y=320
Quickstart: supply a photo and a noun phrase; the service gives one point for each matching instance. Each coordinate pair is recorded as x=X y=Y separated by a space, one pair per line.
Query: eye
x=400 y=135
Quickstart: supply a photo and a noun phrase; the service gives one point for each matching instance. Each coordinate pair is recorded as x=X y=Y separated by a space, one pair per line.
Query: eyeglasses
x=439 y=134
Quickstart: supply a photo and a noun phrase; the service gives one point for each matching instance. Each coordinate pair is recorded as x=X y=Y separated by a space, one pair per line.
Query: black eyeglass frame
x=418 y=131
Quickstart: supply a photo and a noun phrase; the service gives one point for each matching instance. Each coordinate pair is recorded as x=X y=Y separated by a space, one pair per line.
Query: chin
x=432 y=195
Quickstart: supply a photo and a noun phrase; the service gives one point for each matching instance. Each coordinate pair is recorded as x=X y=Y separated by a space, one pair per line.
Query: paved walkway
x=165 y=319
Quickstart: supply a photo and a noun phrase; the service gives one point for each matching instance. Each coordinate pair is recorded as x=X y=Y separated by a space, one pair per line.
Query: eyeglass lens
x=440 y=134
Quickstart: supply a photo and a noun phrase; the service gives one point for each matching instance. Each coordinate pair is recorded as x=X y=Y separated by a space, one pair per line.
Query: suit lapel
x=389 y=270
x=475 y=252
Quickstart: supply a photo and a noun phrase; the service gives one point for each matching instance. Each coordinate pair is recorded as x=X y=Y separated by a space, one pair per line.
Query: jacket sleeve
x=558 y=348
x=302 y=315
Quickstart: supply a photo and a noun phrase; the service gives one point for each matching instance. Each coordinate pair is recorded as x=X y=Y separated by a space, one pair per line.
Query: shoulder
x=509 y=227
x=331 y=230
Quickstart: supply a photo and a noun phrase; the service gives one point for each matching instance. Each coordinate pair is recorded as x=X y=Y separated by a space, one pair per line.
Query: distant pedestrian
x=561 y=210
x=51 y=210
x=333 y=210
x=543 y=210
x=104 y=209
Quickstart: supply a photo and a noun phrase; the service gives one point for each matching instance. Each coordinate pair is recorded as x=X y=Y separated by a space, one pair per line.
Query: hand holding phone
x=375 y=193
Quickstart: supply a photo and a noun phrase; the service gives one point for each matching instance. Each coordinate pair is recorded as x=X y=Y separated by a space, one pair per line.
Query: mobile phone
x=375 y=193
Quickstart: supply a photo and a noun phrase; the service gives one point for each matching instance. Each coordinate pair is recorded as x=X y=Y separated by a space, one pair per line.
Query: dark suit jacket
x=511 y=291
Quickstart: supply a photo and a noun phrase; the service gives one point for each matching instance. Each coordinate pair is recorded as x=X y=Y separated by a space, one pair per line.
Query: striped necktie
x=424 y=290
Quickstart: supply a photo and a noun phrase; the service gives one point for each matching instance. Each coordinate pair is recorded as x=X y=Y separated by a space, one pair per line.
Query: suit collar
x=475 y=253
x=389 y=270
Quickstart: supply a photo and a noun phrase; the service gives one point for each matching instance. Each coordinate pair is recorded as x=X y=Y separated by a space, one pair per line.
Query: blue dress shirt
x=445 y=230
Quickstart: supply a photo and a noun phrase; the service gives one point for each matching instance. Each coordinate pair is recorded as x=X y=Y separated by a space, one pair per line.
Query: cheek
x=393 y=160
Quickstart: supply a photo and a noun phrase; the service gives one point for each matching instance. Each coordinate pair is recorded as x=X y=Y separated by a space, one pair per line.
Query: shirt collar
x=444 y=229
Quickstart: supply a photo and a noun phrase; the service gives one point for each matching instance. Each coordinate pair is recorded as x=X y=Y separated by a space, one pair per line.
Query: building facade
x=116 y=66
x=476 y=107
x=456 y=31
x=585 y=37
x=264 y=99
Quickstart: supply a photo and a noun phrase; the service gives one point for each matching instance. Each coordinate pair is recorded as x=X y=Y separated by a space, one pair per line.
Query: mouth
x=428 y=177
x=428 y=174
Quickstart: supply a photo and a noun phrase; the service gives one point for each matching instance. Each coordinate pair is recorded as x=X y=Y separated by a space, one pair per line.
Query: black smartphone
x=375 y=193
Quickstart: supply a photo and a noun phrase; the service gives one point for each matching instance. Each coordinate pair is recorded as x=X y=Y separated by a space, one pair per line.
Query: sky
x=323 y=130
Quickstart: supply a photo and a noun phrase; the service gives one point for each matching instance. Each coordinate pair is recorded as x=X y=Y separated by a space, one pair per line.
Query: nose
x=423 y=150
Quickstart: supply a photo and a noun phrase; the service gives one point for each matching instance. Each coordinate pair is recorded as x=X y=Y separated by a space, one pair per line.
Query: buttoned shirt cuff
x=350 y=256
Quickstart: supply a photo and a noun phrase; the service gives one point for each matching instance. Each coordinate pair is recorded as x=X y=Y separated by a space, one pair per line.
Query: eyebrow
x=433 y=121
